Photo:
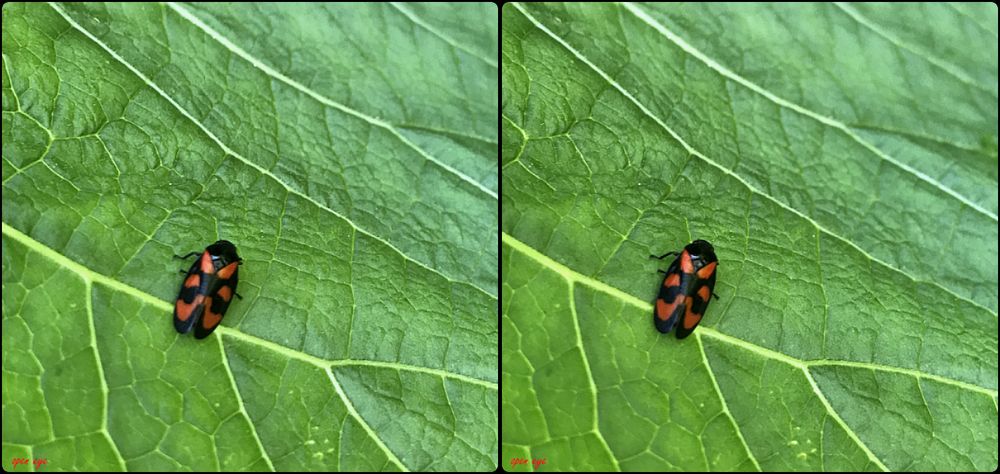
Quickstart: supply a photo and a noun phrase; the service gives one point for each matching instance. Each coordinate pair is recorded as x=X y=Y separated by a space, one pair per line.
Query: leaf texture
x=843 y=161
x=347 y=150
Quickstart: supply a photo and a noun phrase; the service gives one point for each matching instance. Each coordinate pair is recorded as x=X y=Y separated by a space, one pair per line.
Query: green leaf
x=347 y=150
x=843 y=161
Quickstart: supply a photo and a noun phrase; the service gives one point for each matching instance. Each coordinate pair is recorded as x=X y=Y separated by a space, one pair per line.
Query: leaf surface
x=348 y=151
x=843 y=161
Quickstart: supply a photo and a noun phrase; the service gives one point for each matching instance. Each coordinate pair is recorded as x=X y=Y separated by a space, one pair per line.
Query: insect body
x=686 y=289
x=208 y=289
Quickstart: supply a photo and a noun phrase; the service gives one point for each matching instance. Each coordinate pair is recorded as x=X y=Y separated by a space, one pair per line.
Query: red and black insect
x=686 y=289
x=208 y=289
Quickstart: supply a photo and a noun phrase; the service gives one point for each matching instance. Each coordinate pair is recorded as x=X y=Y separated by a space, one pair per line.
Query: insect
x=686 y=289
x=208 y=289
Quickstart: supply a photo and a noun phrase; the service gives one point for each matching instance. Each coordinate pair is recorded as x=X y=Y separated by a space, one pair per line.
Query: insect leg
x=661 y=257
x=186 y=256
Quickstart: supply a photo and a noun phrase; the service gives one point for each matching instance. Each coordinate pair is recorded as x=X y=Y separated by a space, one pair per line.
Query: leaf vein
x=940 y=63
x=447 y=39
x=725 y=406
x=361 y=421
x=590 y=375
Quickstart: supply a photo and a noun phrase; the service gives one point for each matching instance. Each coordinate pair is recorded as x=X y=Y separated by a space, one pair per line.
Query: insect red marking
x=690 y=318
x=704 y=293
x=686 y=265
x=664 y=309
x=706 y=271
x=225 y=292
x=206 y=263
x=184 y=310
x=227 y=271
x=192 y=281
x=210 y=319
x=672 y=280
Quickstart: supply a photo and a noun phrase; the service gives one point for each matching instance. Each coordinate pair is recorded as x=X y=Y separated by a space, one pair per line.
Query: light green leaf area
x=843 y=161
x=347 y=150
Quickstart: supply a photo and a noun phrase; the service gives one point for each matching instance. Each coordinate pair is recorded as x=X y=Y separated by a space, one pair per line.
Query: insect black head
x=224 y=249
x=701 y=248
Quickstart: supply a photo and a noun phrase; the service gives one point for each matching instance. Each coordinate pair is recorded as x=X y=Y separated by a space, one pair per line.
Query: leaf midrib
x=691 y=150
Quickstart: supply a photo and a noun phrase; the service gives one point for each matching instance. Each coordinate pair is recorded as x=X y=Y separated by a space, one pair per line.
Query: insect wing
x=669 y=303
x=190 y=300
x=217 y=301
x=696 y=301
